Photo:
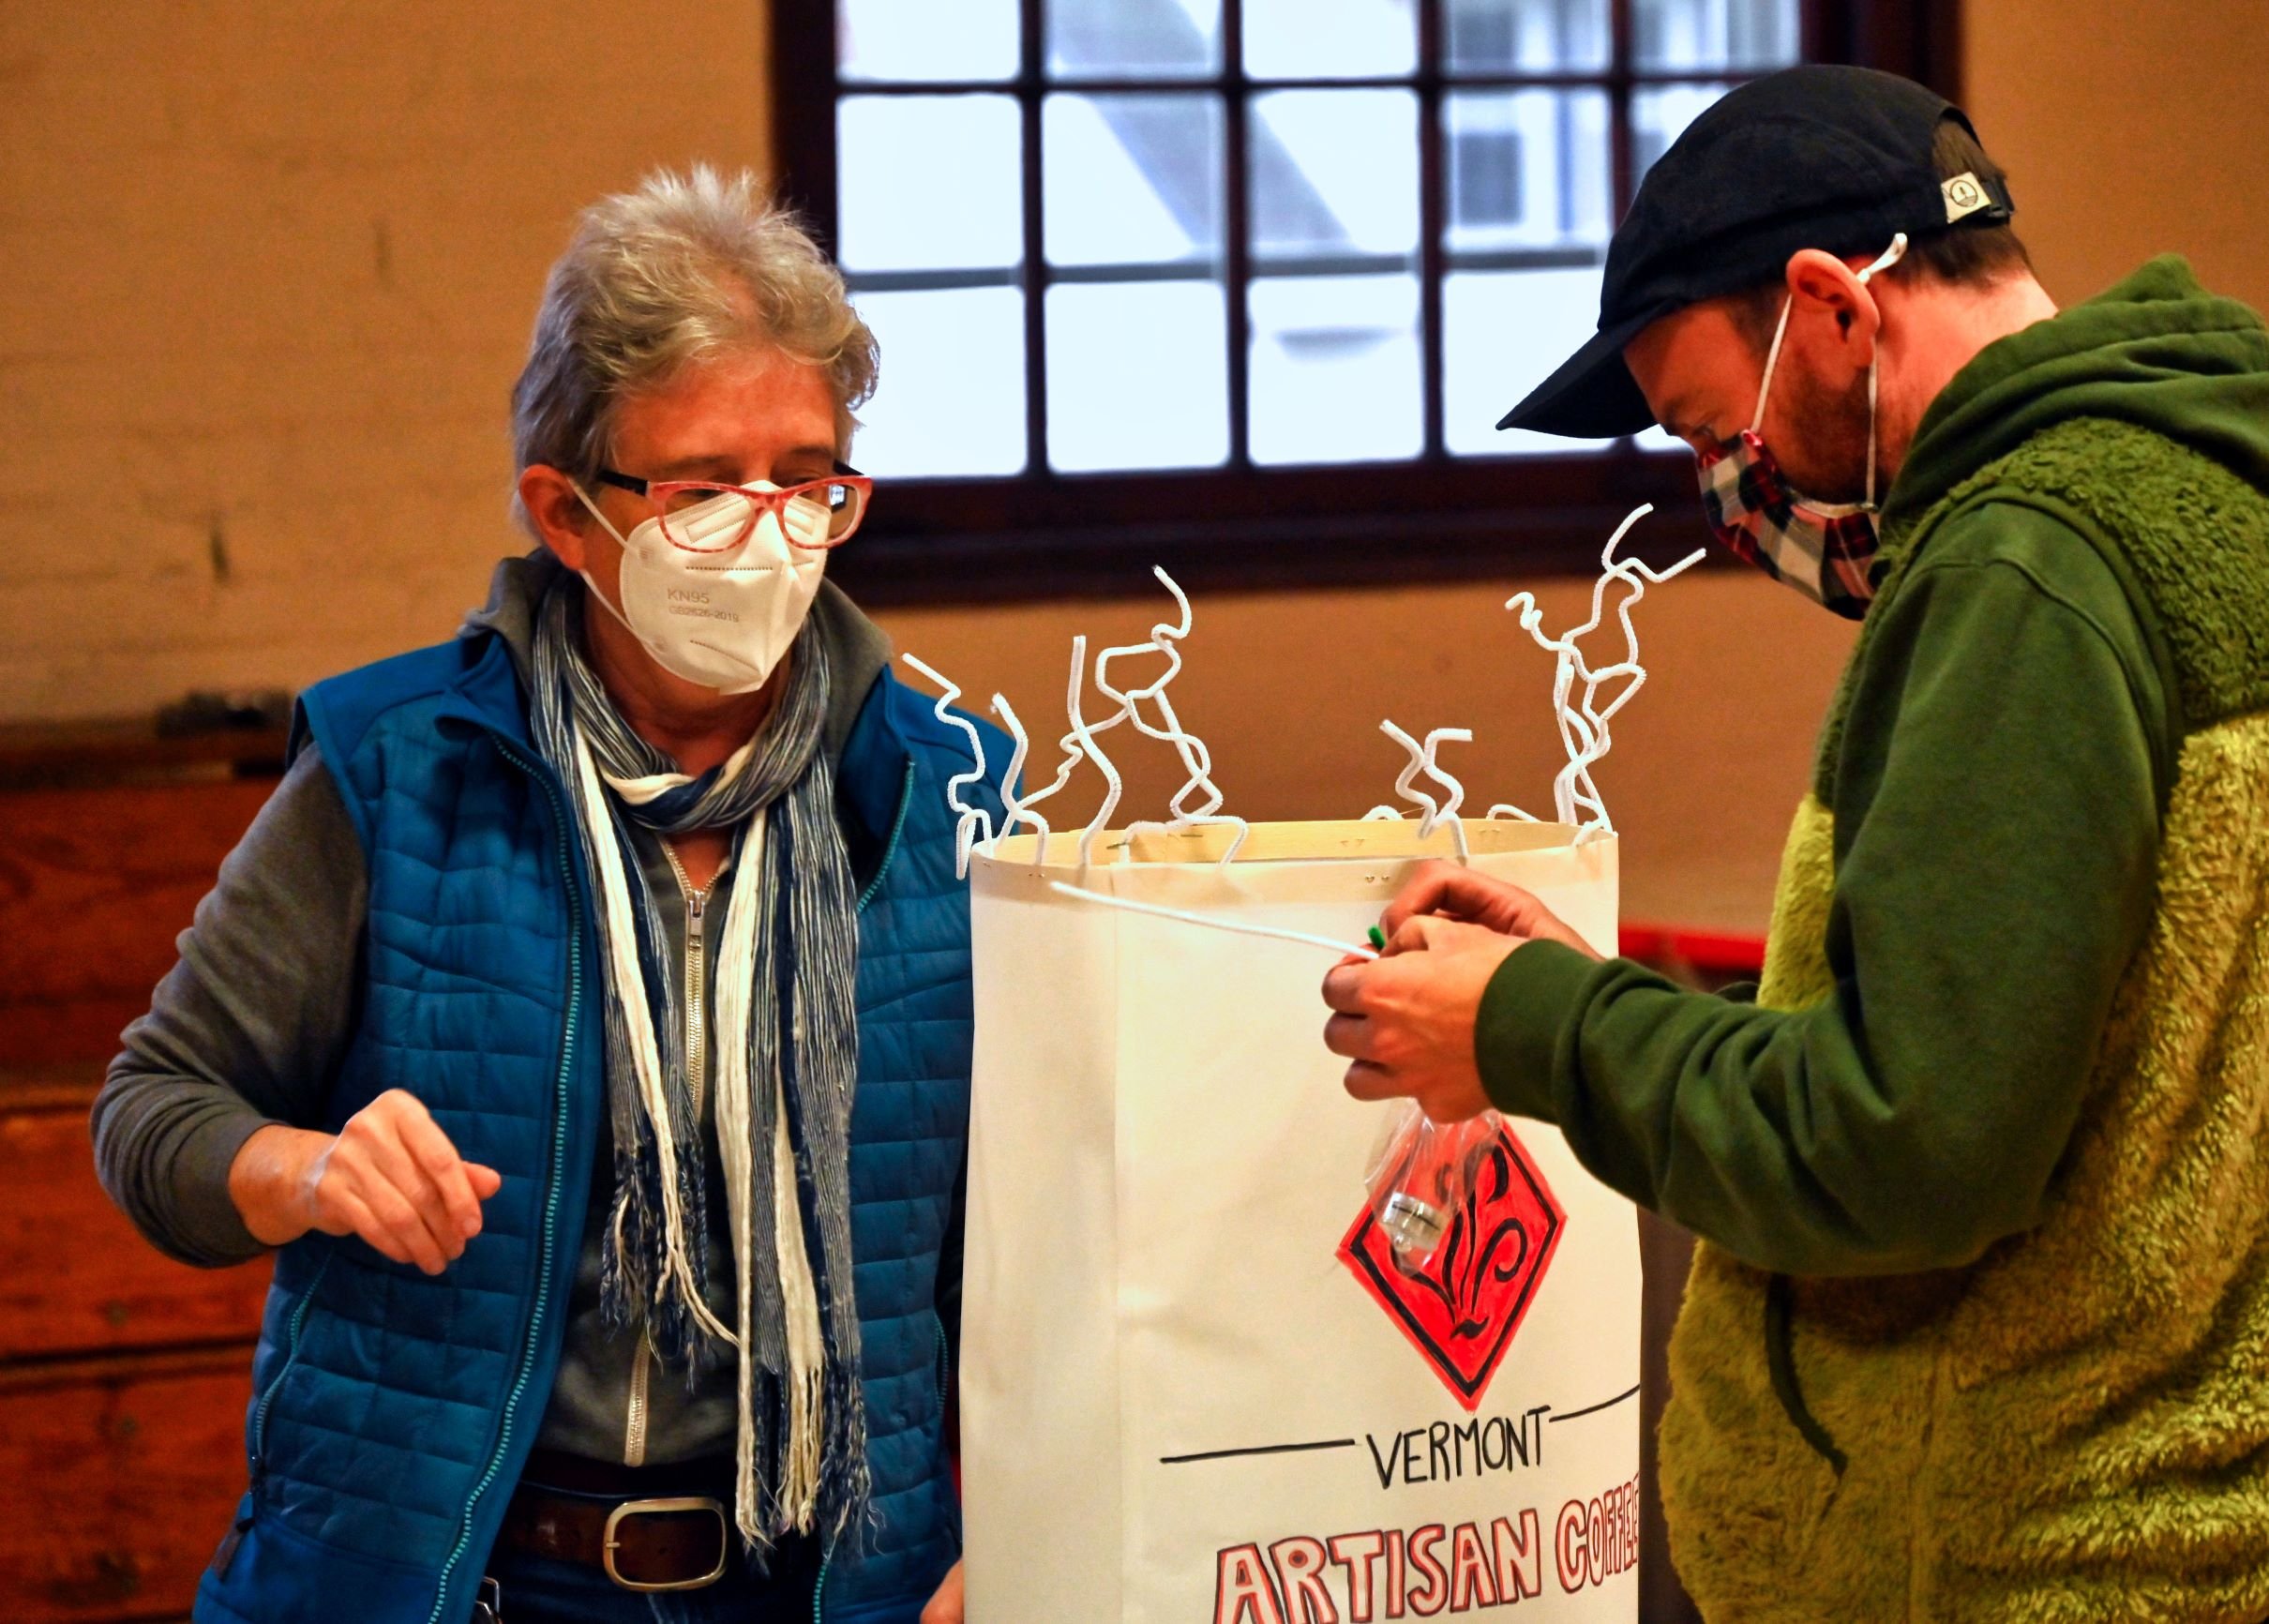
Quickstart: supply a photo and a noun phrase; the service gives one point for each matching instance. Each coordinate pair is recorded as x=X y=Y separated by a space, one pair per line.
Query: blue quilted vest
x=392 y=1413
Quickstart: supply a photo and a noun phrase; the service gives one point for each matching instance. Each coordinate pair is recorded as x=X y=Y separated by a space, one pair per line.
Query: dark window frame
x=1042 y=534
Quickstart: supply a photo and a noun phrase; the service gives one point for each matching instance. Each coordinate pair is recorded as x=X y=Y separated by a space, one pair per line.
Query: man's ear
x=1820 y=284
x=559 y=515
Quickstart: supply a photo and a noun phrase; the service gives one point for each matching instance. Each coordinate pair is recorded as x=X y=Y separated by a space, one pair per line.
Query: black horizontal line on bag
x=1624 y=1397
x=1262 y=1450
x=1595 y=1410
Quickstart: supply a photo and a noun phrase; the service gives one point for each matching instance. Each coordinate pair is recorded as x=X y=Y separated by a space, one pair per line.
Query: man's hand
x=945 y=1607
x=390 y=1175
x=1456 y=892
x=1407 y=1020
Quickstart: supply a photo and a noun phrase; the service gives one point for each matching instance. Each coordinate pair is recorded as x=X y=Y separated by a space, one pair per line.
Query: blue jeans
x=536 y=1590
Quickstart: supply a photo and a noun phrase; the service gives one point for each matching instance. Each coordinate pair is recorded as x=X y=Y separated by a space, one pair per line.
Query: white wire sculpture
x=1584 y=721
x=1196 y=804
x=1585 y=699
x=1168 y=728
x=1084 y=736
x=1015 y=810
x=1434 y=813
x=971 y=819
x=1069 y=745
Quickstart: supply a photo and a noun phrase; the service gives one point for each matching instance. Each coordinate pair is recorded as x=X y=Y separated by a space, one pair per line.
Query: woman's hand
x=390 y=1175
x=945 y=1606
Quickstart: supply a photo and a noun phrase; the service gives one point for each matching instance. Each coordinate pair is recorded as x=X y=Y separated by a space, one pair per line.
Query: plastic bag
x=1422 y=1173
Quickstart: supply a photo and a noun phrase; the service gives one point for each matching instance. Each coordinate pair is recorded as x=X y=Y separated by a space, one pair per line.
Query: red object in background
x=1462 y=1309
x=1712 y=952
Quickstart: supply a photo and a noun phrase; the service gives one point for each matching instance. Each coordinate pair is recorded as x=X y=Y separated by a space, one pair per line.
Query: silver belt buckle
x=488 y=1603
x=610 y=1543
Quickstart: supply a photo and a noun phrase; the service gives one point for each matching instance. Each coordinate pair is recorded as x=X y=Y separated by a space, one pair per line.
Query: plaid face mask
x=1826 y=550
x=1823 y=551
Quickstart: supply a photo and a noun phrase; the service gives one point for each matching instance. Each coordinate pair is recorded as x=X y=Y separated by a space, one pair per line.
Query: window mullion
x=1623 y=180
x=1235 y=247
x=1433 y=215
x=1030 y=84
x=1812 y=31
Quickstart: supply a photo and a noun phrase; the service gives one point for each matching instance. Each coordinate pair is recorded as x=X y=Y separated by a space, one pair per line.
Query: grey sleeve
x=246 y=1030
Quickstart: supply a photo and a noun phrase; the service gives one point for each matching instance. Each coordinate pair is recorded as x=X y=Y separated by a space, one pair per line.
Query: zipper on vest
x=889 y=850
x=547 y=1249
x=906 y=802
x=634 y=1425
x=292 y=1327
x=697 y=980
x=696 y=1078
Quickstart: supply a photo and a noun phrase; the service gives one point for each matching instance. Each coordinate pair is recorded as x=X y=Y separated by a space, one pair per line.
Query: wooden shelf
x=49 y=755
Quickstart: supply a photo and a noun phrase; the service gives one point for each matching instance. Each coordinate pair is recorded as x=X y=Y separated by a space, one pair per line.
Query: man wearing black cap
x=1980 y=1320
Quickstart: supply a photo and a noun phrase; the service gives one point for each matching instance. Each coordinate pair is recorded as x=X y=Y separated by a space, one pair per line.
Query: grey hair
x=687 y=267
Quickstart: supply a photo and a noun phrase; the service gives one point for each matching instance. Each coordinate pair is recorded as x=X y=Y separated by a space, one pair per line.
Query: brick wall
x=270 y=269
x=2128 y=131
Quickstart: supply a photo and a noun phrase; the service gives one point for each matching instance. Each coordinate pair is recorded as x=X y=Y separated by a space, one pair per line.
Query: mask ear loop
x=583 y=497
x=1772 y=359
x=1888 y=258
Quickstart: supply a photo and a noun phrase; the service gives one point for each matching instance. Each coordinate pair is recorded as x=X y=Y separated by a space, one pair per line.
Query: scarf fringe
x=665 y=1123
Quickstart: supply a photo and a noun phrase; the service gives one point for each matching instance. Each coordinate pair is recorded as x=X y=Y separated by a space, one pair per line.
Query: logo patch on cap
x=1964 y=196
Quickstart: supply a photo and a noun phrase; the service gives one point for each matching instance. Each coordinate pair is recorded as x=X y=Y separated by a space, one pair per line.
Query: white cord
x=1211 y=922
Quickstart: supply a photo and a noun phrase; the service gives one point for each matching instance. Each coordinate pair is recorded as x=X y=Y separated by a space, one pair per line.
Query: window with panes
x=1246 y=283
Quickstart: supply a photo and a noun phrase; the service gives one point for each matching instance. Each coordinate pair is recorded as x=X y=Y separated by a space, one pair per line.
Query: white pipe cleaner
x=1069 y=744
x=972 y=819
x=1196 y=758
x=1583 y=722
x=1198 y=803
x=1015 y=809
x=1423 y=760
x=1085 y=736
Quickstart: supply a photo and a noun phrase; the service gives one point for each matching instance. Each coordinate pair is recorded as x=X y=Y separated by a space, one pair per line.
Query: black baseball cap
x=1837 y=158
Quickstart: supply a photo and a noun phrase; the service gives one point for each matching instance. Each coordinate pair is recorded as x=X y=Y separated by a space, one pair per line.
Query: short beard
x=1830 y=442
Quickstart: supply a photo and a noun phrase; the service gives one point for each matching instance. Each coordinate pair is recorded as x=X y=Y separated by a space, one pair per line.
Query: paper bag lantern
x=1197 y=1381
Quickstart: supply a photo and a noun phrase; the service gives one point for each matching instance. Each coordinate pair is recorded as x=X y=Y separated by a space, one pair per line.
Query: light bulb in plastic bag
x=1422 y=1172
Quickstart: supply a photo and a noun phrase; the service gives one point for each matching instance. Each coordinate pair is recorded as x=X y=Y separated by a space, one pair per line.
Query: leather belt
x=647 y=1529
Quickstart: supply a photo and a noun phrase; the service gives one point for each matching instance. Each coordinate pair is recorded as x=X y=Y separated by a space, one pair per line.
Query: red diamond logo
x=1462 y=1308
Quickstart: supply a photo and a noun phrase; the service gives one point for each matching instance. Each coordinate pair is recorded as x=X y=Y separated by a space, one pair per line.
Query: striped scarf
x=786 y=1058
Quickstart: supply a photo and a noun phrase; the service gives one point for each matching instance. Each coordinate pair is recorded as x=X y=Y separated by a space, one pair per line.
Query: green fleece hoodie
x=2010 y=1060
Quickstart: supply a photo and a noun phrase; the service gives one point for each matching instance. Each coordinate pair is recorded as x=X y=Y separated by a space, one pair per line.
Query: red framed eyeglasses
x=703 y=515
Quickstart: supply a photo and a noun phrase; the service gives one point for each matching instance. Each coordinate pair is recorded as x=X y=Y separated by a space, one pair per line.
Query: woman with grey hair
x=584 y=1023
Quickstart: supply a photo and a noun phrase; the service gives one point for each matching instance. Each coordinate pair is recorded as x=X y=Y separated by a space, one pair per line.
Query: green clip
x=1379 y=940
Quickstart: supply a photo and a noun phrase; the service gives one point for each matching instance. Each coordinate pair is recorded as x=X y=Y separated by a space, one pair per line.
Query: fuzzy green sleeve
x=1997 y=809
